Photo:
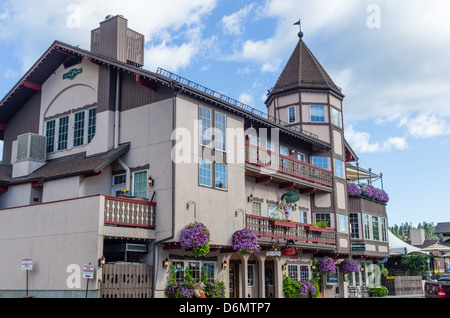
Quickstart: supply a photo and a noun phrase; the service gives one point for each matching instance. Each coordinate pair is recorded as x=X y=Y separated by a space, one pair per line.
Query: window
x=375 y=230
x=332 y=279
x=178 y=268
x=291 y=115
x=210 y=269
x=317 y=113
x=221 y=176
x=301 y=157
x=140 y=184
x=336 y=116
x=50 y=134
x=383 y=230
x=92 y=122
x=342 y=223
x=251 y=275
x=119 y=184
x=205 y=173
x=304 y=272
x=354 y=225
x=293 y=272
x=273 y=212
x=78 y=129
x=338 y=168
x=323 y=217
x=284 y=151
x=366 y=227
x=304 y=217
x=220 y=131
x=194 y=270
x=321 y=162
x=256 y=208
x=205 y=126
x=63 y=132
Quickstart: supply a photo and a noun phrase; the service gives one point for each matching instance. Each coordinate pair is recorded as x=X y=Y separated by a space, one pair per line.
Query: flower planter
x=282 y=223
x=317 y=228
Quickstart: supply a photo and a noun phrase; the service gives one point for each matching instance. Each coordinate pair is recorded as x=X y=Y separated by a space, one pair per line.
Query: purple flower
x=307 y=289
x=326 y=266
x=367 y=191
x=245 y=240
x=195 y=236
x=353 y=189
x=348 y=266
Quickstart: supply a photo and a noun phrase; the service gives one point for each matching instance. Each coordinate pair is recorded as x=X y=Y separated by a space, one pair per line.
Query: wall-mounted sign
x=88 y=271
x=273 y=253
x=72 y=73
x=27 y=264
x=358 y=247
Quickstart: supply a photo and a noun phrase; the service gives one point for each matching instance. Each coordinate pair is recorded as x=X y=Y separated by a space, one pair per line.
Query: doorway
x=269 y=279
x=233 y=279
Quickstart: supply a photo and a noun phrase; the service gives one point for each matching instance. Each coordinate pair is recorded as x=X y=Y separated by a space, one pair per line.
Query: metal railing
x=233 y=102
x=278 y=163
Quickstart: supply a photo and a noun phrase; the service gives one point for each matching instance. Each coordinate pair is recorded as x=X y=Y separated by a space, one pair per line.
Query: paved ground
x=406 y=296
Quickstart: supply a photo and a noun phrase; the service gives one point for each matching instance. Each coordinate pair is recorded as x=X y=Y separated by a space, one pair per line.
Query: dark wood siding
x=25 y=120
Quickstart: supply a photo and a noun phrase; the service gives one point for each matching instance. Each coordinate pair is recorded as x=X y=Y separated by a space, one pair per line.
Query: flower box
x=317 y=228
x=282 y=223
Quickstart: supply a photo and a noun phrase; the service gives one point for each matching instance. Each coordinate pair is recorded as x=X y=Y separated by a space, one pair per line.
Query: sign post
x=88 y=273
x=27 y=265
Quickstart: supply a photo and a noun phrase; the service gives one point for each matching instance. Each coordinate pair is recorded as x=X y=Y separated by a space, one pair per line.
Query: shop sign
x=273 y=253
x=358 y=247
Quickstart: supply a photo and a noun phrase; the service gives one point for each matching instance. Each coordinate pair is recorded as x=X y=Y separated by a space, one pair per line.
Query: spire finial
x=300 y=33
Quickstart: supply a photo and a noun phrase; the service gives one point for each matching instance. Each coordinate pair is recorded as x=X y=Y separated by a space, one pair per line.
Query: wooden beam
x=307 y=191
x=146 y=83
x=35 y=86
x=289 y=185
x=263 y=180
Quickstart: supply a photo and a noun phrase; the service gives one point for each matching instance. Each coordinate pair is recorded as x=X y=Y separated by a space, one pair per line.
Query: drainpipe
x=176 y=90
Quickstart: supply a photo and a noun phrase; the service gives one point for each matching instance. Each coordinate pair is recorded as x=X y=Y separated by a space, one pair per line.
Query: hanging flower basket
x=326 y=266
x=244 y=241
x=195 y=236
x=348 y=266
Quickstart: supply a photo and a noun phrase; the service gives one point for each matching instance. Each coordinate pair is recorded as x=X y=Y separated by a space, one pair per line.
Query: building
x=106 y=161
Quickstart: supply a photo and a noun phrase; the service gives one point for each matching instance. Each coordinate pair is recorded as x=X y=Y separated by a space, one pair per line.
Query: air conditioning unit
x=31 y=147
x=142 y=248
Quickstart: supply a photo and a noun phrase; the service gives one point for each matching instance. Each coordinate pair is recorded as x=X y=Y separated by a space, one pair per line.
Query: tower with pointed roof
x=305 y=97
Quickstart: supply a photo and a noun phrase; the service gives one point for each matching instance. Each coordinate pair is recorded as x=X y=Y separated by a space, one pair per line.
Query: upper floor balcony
x=263 y=163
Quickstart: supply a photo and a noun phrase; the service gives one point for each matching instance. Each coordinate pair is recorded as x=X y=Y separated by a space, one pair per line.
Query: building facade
x=104 y=160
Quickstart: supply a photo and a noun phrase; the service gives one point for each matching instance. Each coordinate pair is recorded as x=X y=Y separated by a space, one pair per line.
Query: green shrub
x=380 y=291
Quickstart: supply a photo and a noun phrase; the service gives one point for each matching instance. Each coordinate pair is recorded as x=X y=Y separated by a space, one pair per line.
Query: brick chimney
x=115 y=40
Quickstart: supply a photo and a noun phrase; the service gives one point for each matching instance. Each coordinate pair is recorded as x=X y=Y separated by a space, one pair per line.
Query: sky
x=390 y=57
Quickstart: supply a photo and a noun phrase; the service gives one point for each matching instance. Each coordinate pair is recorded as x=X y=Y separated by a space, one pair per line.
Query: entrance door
x=269 y=284
x=234 y=280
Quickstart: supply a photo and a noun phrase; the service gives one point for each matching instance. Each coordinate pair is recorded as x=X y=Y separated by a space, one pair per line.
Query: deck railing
x=274 y=162
x=298 y=232
x=129 y=212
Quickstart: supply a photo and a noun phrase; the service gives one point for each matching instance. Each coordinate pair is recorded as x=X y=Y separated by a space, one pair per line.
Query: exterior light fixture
x=292 y=151
x=250 y=198
x=224 y=265
x=151 y=182
x=101 y=262
x=165 y=263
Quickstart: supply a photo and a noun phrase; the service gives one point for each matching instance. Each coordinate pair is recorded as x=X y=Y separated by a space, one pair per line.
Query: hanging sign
x=27 y=264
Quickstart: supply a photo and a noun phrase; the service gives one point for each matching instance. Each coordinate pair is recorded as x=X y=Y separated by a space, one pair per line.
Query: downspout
x=176 y=90
x=117 y=129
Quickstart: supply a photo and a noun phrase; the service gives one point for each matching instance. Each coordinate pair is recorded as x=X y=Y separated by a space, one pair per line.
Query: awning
x=356 y=173
x=399 y=247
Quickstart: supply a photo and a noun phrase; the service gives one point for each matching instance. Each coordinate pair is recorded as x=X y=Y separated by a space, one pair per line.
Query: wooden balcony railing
x=275 y=162
x=129 y=212
x=298 y=232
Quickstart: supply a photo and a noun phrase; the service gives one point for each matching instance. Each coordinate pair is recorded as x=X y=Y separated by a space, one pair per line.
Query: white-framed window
x=375 y=228
x=321 y=162
x=292 y=270
x=333 y=278
x=50 y=134
x=92 y=124
x=317 y=113
x=336 y=117
x=221 y=176
x=304 y=217
x=305 y=272
x=323 y=216
x=78 y=129
x=256 y=208
x=301 y=157
x=284 y=151
x=140 y=183
x=272 y=211
x=366 y=226
x=63 y=132
x=354 y=225
x=383 y=223
x=195 y=268
x=205 y=125
x=339 y=168
x=205 y=173
x=220 y=123
x=118 y=184
x=299 y=272
x=342 y=223
x=292 y=118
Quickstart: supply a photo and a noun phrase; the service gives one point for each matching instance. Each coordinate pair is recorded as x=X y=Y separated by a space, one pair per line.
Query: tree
x=416 y=265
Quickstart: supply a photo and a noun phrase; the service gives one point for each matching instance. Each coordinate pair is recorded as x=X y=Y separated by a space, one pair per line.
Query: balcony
x=121 y=211
x=303 y=235
x=263 y=163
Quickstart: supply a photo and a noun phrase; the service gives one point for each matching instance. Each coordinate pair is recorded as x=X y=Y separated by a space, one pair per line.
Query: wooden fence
x=403 y=285
x=126 y=281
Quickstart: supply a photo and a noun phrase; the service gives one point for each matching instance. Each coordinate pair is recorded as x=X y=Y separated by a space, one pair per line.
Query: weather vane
x=299 y=23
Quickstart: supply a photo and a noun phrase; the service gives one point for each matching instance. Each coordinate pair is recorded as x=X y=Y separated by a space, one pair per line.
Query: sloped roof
x=303 y=70
x=78 y=164
x=443 y=228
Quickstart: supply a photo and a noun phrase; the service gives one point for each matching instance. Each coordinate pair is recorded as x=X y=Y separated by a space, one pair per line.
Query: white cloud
x=246 y=98
x=361 y=142
x=426 y=126
x=234 y=23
